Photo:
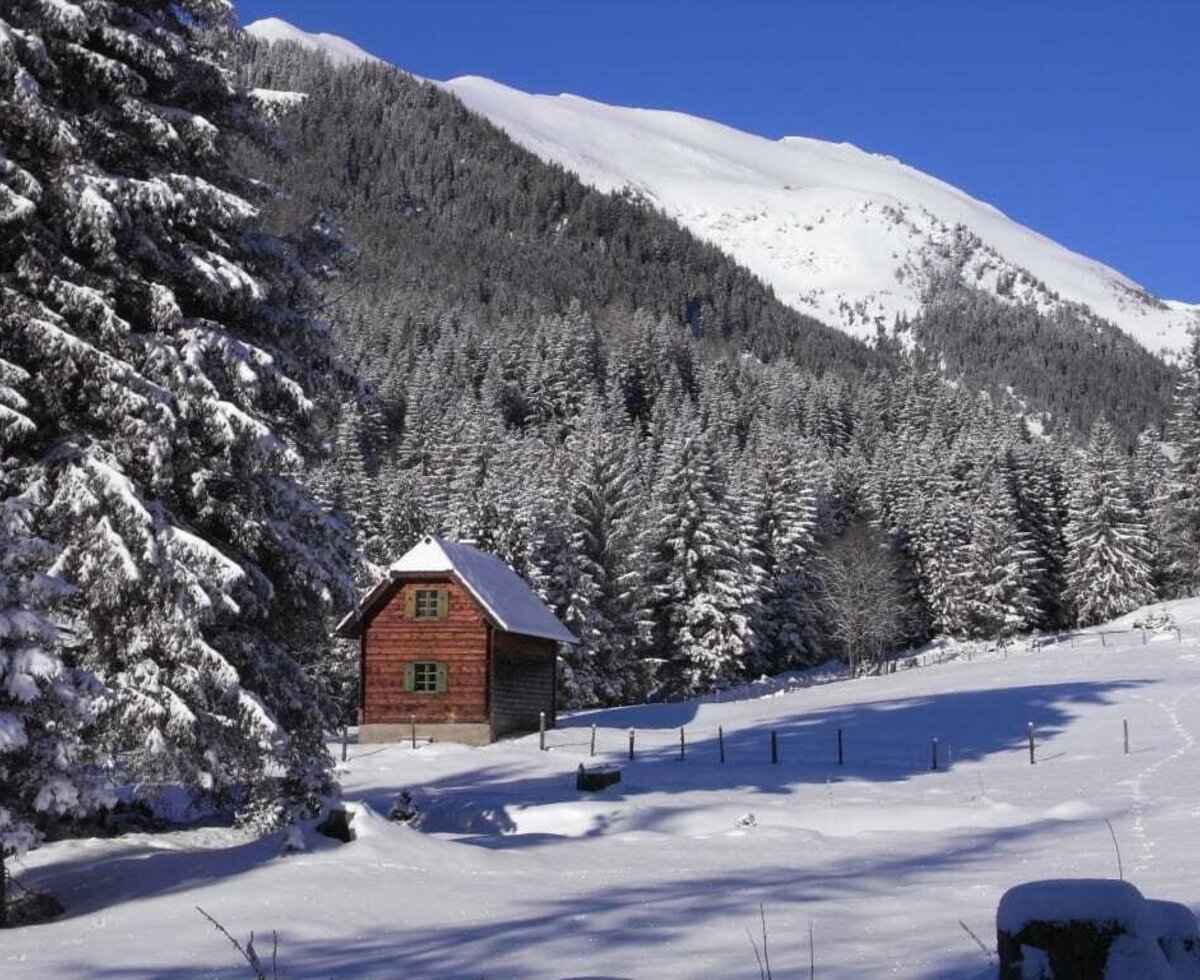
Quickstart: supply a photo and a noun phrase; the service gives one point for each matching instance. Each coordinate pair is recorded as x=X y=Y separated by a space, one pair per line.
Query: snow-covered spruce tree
x=1000 y=568
x=940 y=535
x=605 y=605
x=1181 y=499
x=47 y=768
x=700 y=614
x=1039 y=491
x=1108 y=571
x=168 y=373
x=782 y=524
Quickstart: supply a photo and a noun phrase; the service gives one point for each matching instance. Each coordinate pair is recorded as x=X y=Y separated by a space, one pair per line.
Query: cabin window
x=428 y=603
x=425 y=677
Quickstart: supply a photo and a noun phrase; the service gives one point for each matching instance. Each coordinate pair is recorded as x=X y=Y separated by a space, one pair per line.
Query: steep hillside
x=847 y=236
x=451 y=218
x=448 y=214
x=843 y=234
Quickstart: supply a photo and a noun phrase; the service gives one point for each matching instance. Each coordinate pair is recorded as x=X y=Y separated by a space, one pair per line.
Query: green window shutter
x=410 y=603
x=442 y=684
x=410 y=677
x=443 y=603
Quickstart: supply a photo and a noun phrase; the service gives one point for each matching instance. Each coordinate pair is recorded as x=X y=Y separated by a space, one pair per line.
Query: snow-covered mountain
x=340 y=51
x=842 y=234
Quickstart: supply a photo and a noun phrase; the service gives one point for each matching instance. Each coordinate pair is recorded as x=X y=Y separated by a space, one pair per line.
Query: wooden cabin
x=456 y=640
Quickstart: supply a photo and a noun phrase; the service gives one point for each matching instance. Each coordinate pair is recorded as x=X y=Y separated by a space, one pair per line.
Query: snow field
x=515 y=874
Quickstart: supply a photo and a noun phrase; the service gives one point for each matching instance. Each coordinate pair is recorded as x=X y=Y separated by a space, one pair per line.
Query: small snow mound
x=293 y=840
x=1071 y=810
x=746 y=820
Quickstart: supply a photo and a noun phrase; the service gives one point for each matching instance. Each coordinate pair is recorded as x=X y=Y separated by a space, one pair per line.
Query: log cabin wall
x=393 y=639
x=523 y=683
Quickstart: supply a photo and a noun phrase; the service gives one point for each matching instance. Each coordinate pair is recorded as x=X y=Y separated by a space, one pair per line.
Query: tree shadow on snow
x=87 y=883
x=610 y=926
x=882 y=741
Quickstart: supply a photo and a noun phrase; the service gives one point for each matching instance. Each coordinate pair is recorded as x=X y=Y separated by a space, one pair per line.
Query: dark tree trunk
x=3 y=891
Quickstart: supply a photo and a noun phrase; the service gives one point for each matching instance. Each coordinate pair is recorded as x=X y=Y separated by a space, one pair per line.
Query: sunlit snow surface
x=515 y=874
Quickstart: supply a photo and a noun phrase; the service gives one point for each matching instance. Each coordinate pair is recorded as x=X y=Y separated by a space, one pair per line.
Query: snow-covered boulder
x=1093 y=928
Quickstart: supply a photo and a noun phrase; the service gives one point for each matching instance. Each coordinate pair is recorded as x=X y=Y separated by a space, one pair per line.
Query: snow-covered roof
x=507 y=600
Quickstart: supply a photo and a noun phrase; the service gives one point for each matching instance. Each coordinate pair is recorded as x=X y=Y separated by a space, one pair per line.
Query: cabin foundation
x=465 y=734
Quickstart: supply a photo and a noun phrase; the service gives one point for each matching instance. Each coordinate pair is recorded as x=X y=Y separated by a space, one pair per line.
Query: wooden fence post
x=935 y=754
x=413 y=720
x=721 y=740
x=1103 y=641
x=593 y=740
x=631 y=745
x=774 y=747
x=682 y=746
x=839 y=746
x=1032 y=760
x=345 y=740
x=1125 y=725
x=542 y=730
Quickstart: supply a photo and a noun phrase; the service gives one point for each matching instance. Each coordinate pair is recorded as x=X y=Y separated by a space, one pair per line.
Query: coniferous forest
x=253 y=348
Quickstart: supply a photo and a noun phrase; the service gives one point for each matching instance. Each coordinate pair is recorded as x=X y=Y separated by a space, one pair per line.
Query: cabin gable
x=431 y=664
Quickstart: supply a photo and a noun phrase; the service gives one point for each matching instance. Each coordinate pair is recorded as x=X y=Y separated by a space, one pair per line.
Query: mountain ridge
x=847 y=235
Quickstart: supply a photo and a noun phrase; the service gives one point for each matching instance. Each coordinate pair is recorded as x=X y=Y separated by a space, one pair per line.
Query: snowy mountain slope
x=841 y=234
x=340 y=51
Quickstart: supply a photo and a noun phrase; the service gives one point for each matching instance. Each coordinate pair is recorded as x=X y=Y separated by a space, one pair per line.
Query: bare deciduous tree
x=862 y=598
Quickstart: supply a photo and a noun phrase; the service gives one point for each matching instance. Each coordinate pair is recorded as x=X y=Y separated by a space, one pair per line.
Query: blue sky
x=1080 y=119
